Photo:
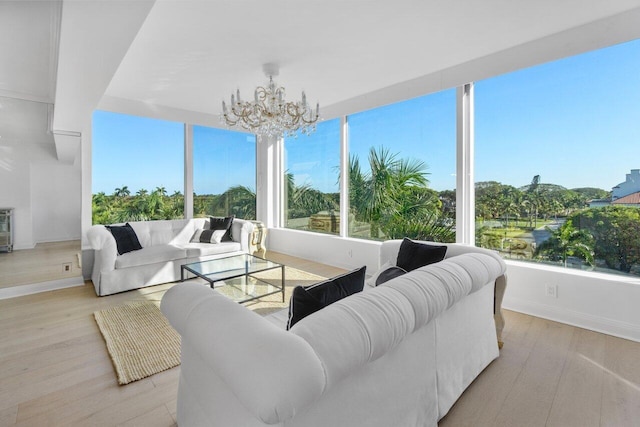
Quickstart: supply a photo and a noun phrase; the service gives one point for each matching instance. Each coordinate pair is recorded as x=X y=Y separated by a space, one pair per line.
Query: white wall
x=600 y=302
x=324 y=248
x=44 y=193
x=55 y=201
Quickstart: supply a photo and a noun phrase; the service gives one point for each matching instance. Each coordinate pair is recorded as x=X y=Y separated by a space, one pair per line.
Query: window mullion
x=344 y=177
x=465 y=191
x=188 y=171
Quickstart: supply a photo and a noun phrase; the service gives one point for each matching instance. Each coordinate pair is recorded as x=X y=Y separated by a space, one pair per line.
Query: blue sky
x=575 y=122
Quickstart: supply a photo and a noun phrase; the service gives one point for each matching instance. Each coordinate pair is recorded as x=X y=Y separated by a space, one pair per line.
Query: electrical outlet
x=66 y=267
x=551 y=290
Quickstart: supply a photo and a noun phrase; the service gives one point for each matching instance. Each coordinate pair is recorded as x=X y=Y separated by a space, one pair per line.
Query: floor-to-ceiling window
x=311 y=174
x=402 y=165
x=224 y=173
x=557 y=159
x=137 y=168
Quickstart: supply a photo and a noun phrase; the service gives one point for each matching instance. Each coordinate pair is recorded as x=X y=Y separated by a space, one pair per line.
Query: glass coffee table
x=235 y=276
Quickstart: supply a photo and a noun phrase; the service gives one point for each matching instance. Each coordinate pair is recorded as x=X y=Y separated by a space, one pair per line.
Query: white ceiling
x=189 y=55
x=179 y=59
x=28 y=49
x=28 y=61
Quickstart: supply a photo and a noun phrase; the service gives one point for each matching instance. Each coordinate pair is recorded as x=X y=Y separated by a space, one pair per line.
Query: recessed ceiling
x=190 y=55
x=28 y=49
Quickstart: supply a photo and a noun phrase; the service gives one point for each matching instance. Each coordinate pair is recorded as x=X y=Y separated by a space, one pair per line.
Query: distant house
x=626 y=193
x=598 y=203
x=632 y=199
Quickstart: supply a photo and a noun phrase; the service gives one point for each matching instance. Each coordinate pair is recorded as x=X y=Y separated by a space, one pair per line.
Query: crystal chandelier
x=269 y=114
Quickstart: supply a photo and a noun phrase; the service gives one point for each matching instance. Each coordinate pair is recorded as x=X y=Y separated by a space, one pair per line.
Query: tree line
x=122 y=206
x=533 y=202
x=390 y=197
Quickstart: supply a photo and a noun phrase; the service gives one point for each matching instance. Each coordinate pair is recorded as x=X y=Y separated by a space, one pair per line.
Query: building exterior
x=626 y=193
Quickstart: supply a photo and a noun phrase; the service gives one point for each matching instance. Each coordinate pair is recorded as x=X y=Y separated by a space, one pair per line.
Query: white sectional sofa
x=166 y=245
x=399 y=354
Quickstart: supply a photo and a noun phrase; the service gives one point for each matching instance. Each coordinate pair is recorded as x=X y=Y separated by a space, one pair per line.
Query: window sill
x=635 y=281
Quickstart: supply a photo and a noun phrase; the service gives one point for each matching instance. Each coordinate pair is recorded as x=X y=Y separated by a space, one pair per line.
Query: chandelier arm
x=269 y=114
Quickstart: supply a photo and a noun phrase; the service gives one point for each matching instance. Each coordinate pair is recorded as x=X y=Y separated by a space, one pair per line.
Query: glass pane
x=402 y=170
x=557 y=162
x=312 y=169
x=138 y=168
x=224 y=173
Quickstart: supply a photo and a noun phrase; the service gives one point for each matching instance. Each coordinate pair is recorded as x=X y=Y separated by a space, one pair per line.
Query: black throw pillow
x=389 y=273
x=126 y=238
x=413 y=255
x=220 y=223
x=305 y=301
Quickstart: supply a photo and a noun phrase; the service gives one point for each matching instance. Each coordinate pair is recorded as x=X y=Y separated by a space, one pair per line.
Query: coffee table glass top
x=233 y=276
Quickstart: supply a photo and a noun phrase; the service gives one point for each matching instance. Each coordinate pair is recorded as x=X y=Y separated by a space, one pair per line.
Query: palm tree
x=239 y=201
x=534 y=197
x=567 y=241
x=122 y=192
x=101 y=208
x=379 y=188
x=394 y=198
x=161 y=191
x=304 y=200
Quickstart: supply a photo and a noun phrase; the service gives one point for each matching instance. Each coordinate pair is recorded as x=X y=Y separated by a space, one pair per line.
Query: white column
x=269 y=158
x=465 y=181
x=188 y=171
x=344 y=177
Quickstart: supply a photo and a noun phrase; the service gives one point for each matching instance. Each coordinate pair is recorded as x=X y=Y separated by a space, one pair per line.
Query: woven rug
x=139 y=339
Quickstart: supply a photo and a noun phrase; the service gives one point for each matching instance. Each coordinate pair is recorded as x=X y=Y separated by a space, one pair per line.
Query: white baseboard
x=574 y=318
x=34 y=288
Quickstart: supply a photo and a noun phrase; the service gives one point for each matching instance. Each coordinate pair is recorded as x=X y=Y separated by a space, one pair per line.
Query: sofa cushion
x=163 y=232
x=197 y=250
x=220 y=223
x=305 y=301
x=126 y=239
x=151 y=255
x=413 y=255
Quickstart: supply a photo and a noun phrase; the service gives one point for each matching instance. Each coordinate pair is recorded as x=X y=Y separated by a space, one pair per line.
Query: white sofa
x=165 y=245
x=399 y=354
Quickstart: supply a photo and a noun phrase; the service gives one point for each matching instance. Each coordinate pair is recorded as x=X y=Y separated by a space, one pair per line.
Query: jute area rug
x=141 y=342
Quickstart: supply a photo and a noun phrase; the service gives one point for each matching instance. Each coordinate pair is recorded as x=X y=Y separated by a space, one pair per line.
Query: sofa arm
x=104 y=245
x=241 y=232
x=285 y=375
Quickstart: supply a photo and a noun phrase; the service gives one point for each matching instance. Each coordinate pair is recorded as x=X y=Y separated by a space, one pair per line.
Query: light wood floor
x=43 y=263
x=55 y=371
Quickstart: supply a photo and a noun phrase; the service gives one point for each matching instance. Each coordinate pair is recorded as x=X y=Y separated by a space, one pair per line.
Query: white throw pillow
x=216 y=236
